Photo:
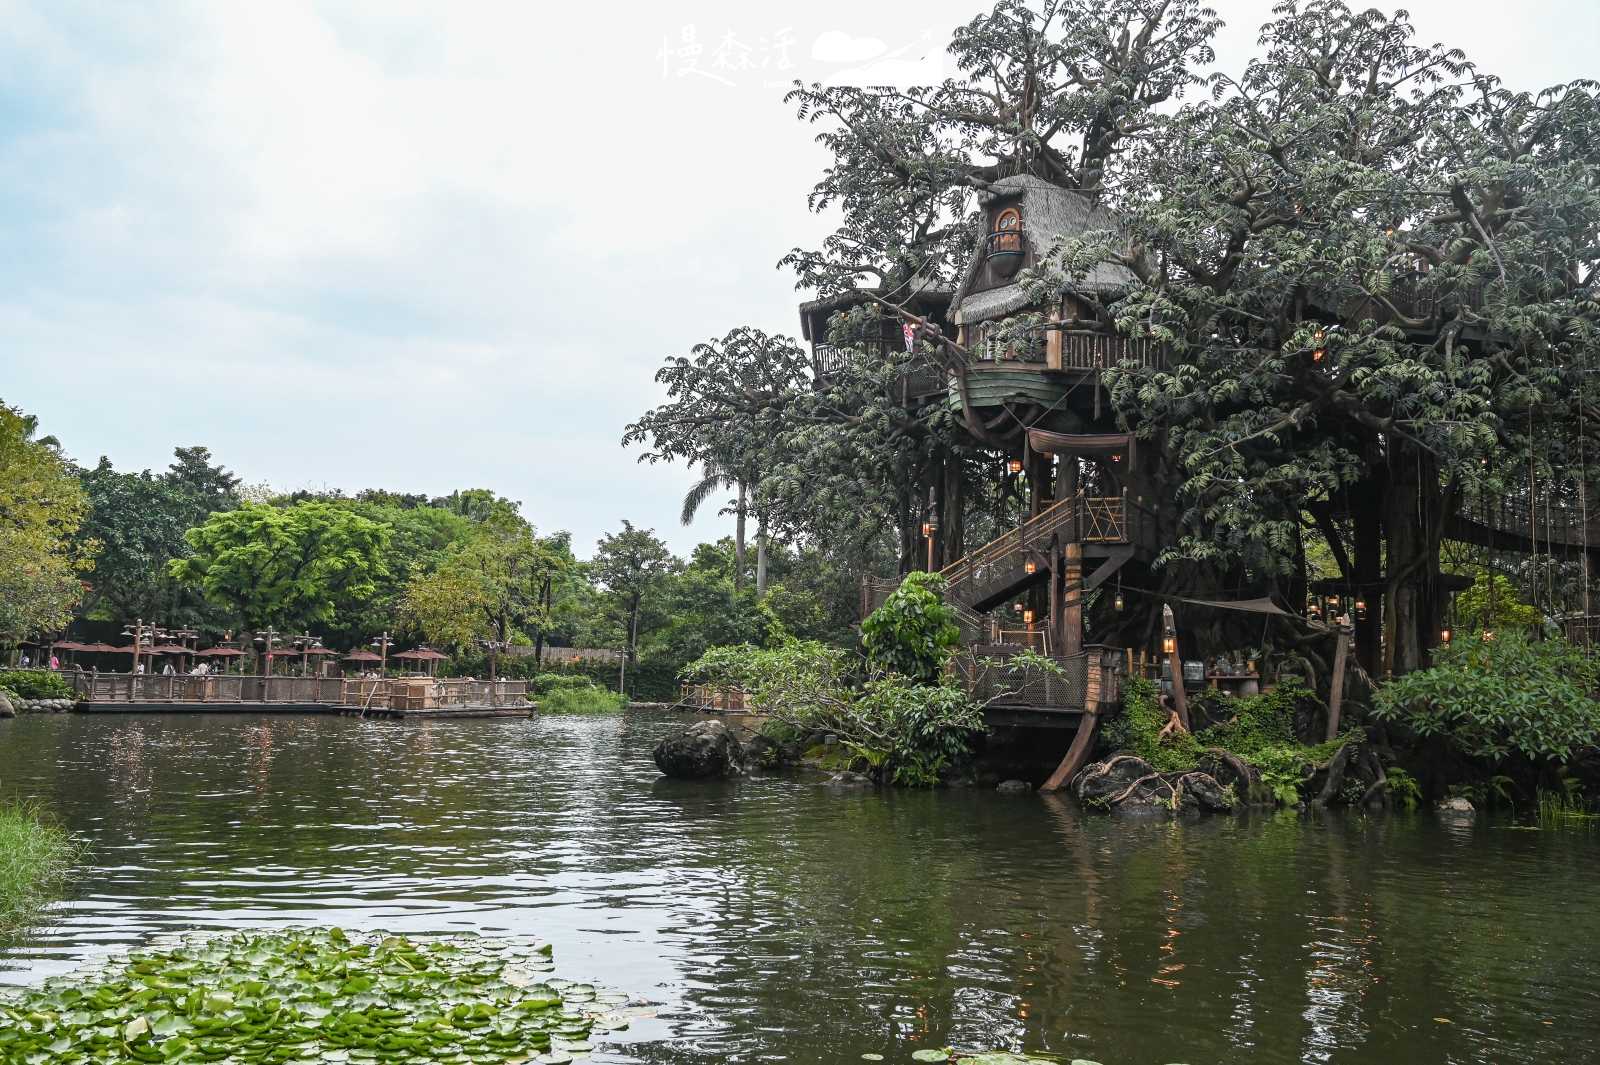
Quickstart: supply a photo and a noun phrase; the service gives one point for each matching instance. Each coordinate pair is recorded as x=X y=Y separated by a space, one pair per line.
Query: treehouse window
x=1008 y=231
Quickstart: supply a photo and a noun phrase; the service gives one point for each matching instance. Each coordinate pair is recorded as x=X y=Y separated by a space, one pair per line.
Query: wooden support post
x=1336 y=695
x=1077 y=754
x=1056 y=629
x=1052 y=342
x=1072 y=599
x=1180 y=698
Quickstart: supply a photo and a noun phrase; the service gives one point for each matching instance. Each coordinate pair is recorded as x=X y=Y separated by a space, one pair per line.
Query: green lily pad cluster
x=310 y=997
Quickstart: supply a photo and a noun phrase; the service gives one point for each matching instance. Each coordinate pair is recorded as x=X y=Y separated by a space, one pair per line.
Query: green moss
x=1260 y=731
x=1138 y=729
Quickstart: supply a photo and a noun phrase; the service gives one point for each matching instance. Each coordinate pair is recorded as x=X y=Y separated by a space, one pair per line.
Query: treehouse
x=921 y=383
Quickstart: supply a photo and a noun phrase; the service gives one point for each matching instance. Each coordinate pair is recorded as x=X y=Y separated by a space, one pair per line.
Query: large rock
x=708 y=749
x=6 y=709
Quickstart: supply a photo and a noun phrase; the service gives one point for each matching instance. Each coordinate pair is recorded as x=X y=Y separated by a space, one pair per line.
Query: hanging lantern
x=1169 y=645
x=1319 y=334
x=1317 y=356
x=1014 y=465
x=1029 y=566
x=927 y=529
x=1027 y=617
x=1444 y=636
x=1118 y=604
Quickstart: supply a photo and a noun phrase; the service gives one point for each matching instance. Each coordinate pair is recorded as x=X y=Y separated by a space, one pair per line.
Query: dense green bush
x=573 y=693
x=896 y=729
x=913 y=633
x=1492 y=698
x=36 y=684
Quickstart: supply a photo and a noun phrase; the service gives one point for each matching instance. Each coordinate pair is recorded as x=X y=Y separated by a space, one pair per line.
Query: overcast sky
x=435 y=245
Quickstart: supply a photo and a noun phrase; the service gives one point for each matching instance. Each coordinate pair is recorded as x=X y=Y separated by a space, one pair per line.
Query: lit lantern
x=1169 y=645
x=1318 y=355
x=1118 y=604
x=927 y=529
x=1361 y=613
x=1444 y=636
x=1014 y=465
x=1027 y=617
x=1488 y=635
x=1319 y=334
x=1029 y=566
x=1116 y=458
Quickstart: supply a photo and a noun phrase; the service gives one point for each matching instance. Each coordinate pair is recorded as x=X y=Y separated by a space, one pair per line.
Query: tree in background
x=284 y=566
x=41 y=507
x=493 y=586
x=630 y=565
x=139 y=522
x=730 y=403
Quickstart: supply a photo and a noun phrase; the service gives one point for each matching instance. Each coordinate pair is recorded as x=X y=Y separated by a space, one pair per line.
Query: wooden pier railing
x=427 y=692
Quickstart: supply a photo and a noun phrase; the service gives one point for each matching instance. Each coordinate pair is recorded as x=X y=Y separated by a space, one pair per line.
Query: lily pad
x=308 y=996
x=931 y=1055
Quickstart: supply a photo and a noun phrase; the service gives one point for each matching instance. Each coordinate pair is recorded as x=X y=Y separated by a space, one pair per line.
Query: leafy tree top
x=914 y=632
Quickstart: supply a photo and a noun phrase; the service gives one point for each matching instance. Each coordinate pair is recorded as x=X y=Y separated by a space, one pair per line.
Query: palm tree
x=715 y=476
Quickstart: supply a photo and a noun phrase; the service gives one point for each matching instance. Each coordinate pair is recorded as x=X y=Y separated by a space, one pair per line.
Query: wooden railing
x=713 y=697
x=1081 y=519
x=1080 y=350
x=183 y=688
x=1000 y=682
x=435 y=693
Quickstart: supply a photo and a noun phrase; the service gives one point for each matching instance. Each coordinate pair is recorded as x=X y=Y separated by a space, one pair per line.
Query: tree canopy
x=283 y=566
x=41 y=507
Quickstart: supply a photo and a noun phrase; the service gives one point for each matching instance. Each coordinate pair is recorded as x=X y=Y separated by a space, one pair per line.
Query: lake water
x=776 y=919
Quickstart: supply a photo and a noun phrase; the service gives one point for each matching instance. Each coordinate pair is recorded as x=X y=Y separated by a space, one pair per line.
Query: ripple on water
x=779 y=919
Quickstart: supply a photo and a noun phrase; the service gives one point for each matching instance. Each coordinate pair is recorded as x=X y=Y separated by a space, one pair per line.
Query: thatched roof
x=1047 y=212
x=920 y=296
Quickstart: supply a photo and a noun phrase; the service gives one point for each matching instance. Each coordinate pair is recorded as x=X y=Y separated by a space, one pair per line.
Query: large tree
x=493 y=586
x=139 y=521
x=630 y=565
x=41 y=507
x=284 y=566
x=1370 y=268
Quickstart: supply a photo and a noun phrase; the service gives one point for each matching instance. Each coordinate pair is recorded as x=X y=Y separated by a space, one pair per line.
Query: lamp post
x=383 y=643
x=142 y=635
x=303 y=643
x=264 y=642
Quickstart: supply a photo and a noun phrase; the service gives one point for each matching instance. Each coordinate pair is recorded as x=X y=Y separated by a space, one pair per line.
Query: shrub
x=1138 y=729
x=570 y=699
x=36 y=684
x=914 y=632
x=896 y=728
x=1492 y=698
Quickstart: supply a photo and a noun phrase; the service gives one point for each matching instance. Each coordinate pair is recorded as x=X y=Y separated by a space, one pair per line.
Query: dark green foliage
x=913 y=633
x=899 y=730
x=36 y=684
x=1513 y=694
x=139 y=521
x=1137 y=729
x=1262 y=735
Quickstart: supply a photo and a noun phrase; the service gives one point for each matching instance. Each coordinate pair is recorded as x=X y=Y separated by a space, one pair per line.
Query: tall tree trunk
x=761 y=557
x=1366 y=512
x=952 y=505
x=738 y=542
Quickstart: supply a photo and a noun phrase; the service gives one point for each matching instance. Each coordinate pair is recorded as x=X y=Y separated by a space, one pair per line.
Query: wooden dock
x=396 y=699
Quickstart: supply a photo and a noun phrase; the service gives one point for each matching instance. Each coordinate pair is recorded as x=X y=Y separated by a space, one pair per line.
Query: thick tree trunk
x=1368 y=567
x=953 y=505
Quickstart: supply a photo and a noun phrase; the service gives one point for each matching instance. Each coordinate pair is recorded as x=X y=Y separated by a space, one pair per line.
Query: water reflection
x=778 y=919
